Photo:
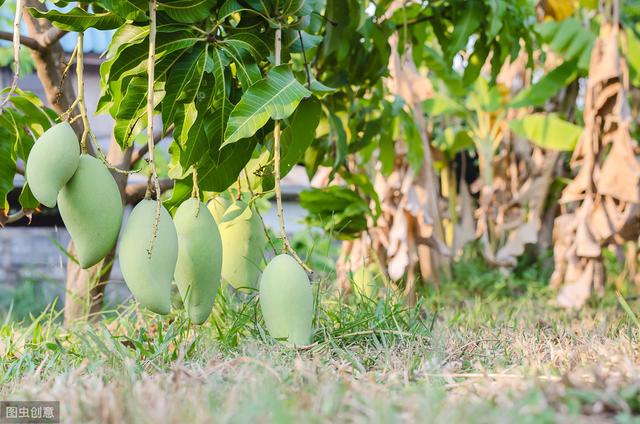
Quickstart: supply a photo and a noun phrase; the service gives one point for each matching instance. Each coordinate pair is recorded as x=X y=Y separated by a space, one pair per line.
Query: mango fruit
x=91 y=208
x=286 y=300
x=199 y=263
x=51 y=163
x=218 y=206
x=149 y=275
x=244 y=241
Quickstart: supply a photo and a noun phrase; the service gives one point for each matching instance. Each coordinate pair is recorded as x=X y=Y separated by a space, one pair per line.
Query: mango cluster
x=83 y=188
x=156 y=249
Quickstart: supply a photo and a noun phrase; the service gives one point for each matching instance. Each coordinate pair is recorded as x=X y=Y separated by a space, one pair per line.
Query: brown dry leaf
x=523 y=235
x=602 y=200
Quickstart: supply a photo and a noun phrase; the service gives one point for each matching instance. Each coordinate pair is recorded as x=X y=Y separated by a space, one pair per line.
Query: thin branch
x=16 y=53
x=29 y=42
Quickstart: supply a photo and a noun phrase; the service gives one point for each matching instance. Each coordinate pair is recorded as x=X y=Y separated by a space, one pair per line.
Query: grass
x=481 y=348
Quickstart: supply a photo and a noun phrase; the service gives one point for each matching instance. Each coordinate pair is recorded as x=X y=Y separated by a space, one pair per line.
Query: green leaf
x=465 y=25
x=187 y=11
x=276 y=97
x=198 y=139
x=27 y=199
x=633 y=56
x=570 y=39
x=133 y=59
x=30 y=105
x=7 y=167
x=338 y=137
x=439 y=105
x=131 y=115
x=547 y=131
x=249 y=43
x=538 y=93
x=181 y=192
x=339 y=210
x=134 y=10
x=299 y=134
x=219 y=172
x=183 y=83
x=247 y=70
x=452 y=141
x=78 y=20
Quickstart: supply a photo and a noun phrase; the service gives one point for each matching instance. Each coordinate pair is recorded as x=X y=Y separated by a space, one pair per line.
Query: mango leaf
x=181 y=191
x=249 y=43
x=78 y=19
x=276 y=97
x=187 y=11
x=183 y=83
x=133 y=59
x=130 y=10
x=247 y=70
x=444 y=71
x=299 y=133
x=537 y=94
x=198 y=140
x=27 y=199
x=464 y=25
x=291 y=41
x=338 y=138
x=219 y=172
x=7 y=167
x=40 y=118
x=131 y=115
x=547 y=131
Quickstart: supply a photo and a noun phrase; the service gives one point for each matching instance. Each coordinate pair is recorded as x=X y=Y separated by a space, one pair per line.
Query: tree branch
x=135 y=192
x=32 y=43
x=52 y=36
x=10 y=219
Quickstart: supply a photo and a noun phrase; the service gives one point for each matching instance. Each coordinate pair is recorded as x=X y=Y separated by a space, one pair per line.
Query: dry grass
x=454 y=358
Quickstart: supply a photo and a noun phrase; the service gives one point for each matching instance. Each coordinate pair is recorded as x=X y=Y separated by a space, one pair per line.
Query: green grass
x=481 y=348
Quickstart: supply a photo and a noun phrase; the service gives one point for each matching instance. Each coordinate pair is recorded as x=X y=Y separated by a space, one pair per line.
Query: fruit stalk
x=276 y=159
x=80 y=100
x=150 y=143
x=16 y=53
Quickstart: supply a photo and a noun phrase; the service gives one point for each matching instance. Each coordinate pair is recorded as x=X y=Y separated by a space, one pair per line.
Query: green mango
x=218 y=206
x=244 y=240
x=199 y=258
x=91 y=208
x=149 y=276
x=286 y=300
x=52 y=162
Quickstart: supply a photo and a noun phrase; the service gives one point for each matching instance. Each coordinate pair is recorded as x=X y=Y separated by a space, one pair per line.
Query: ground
x=480 y=348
